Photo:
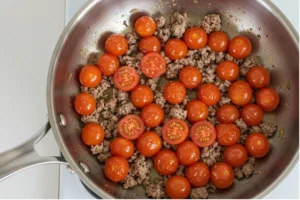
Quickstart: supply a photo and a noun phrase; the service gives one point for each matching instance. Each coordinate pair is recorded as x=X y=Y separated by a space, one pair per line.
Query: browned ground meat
x=177 y=112
x=199 y=193
x=102 y=150
x=129 y=182
x=160 y=99
x=211 y=22
x=211 y=154
x=268 y=129
x=155 y=190
x=140 y=169
x=248 y=63
x=180 y=170
x=246 y=170
x=179 y=23
x=211 y=188
x=132 y=39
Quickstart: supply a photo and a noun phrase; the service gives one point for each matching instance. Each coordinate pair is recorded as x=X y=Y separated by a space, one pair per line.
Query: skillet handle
x=24 y=156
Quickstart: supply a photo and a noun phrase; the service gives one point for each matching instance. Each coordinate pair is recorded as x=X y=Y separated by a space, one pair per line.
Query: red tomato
x=90 y=76
x=258 y=77
x=153 y=65
x=176 y=49
x=149 y=44
x=108 y=64
x=228 y=70
x=196 y=111
x=116 y=169
x=198 y=174
x=148 y=144
x=121 y=147
x=178 y=187
x=92 y=134
x=141 y=96
x=187 y=153
x=252 y=114
x=174 y=92
x=126 y=78
x=190 y=77
x=257 y=145
x=195 y=38
x=116 y=45
x=165 y=162
x=209 y=94
x=222 y=175
x=240 y=47
x=218 y=41
x=145 y=26
x=227 y=134
x=203 y=133
x=152 y=115
x=175 y=131
x=236 y=155
x=227 y=114
x=131 y=127
x=267 y=99
x=240 y=93
x=84 y=103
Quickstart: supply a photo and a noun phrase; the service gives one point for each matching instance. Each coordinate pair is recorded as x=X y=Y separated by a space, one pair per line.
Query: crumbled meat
x=249 y=63
x=180 y=170
x=126 y=109
x=111 y=105
x=207 y=56
x=132 y=39
x=241 y=124
x=222 y=85
x=152 y=83
x=179 y=23
x=163 y=34
x=129 y=182
x=229 y=57
x=211 y=154
x=97 y=91
x=131 y=61
x=165 y=57
x=155 y=190
x=166 y=145
x=140 y=169
x=246 y=170
x=158 y=130
x=173 y=70
x=177 y=112
x=268 y=129
x=220 y=57
x=224 y=99
x=211 y=22
x=255 y=129
x=133 y=157
x=212 y=111
x=122 y=96
x=211 y=188
x=185 y=101
x=92 y=118
x=102 y=150
x=208 y=74
x=199 y=193
x=160 y=99
x=160 y=21
x=187 y=61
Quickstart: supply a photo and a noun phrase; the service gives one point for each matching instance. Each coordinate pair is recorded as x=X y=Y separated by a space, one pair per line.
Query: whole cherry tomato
x=90 y=76
x=116 y=45
x=198 y=174
x=108 y=64
x=152 y=115
x=149 y=44
x=187 y=153
x=190 y=77
x=196 y=111
x=252 y=114
x=218 y=41
x=178 y=187
x=165 y=162
x=149 y=143
x=227 y=114
x=227 y=134
x=116 y=169
x=267 y=99
x=228 y=70
x=175 y=49
x=221 y=175
x=258 y=77
x=141 y=96
x=240 y=47
x=92 y=134
x=209 y=94
x=145 y=26
x=195 y=38
x=240 y=93
x=236 y=155
x=257 y=145
x=174 y=92
x=121 y=147
x=84 y=103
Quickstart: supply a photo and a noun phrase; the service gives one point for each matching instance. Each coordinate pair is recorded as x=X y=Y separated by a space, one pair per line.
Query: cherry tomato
x=148 y=144
x=176 y=49
x=175 y=131
x=108 y=64
x=190 y=77
x=222 y=175
x=209 y=94
x=218 y=41
x=153 y=65
x=178 y=187
x=267 y=99
x=227 y=114
x=131 y=127
x=228 y=70
x=149 y=44
x=92 y=134
x=198 y=174
x=195 y=38
x=203 y=133
x=84 y=103
x=116 y=169
x=141 y=96
x=145 y=26
x=174 y=92
x=257 y=145
x=236 y=155
x=126 y=78
x=240 y=93
x=240 y=47
x=187 y=153
x=165 y=162
x=116 y=45
x=152 y=115
x=196 y=111
x=252 y=114
x=258 y=77
x=121 y=147
x=90 y=76
x=227 y=134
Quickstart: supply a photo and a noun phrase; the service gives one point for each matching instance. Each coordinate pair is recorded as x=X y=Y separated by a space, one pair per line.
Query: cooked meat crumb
x=249 y=63
x=155 y=190
x=211 y=154
x=158 y=130
x=177 y=112
x=102 y=149
x=268 y=129
x=179 y=23
x=129 y=182
x=180 y=170
x=254 y=129
x=246 y=170
x=140 y=169
x=211 y=188
x=211 y=22
x=173 y=70
x=160 y=99
x=199 y=193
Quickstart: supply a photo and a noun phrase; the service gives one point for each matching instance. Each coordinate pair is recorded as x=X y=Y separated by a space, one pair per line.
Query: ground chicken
x=102 y=150
x=211 y=154
x=211 y=188
x=152 y=83
x=246 y=170
x=179 y=24
x=173 y=70
x=155 y=190
x=140 y=169
x=249 y=63
x=160 y=99
x=199 y=193
x=255 y=129
x=126 y=109
x=132 y=39
x=129 y=182
x=211 y=23
x=241 y=124
x=160 y=21
x=268 y=129
x=158 y=130
x=131 y=61
x=177 y=112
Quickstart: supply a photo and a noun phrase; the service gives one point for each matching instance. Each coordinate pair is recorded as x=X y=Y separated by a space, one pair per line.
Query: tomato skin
x=116 y=45
x=236 y=155
x=84 y=103
x=175 y=49
x=92 y=134
x=227 y=134
x=145 y=26
x=121 y=147
x=190 y=77
x=203 y=133
x=267 y=99
x=165 y=162
x=240 y=47
x=222 y=175
x=257 y=145
x=141 y=96
x=174 y=92
x=175 y=131
x=152 y=115
x=149 y=44
x=126 y=78
x=196 y=111
x=258 y=77
x=149 y=143
x=90 y=76
x=131 y=127
x=108 y=64
x=116 y=169
x=195 y=38
x=178 y=187
x=187 y=153
x=227 y=114
x=209 y=94
x=240 y=93
x=218 y=41
x=198 y=174
x=153 y=65
x=252 y=114
x=228 y=70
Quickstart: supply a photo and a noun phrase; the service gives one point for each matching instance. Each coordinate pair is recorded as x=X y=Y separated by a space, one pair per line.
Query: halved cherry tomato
x=108 y=64
x=121 y=147
x=149 y=44
x=92 y=134
x=240 y=47
x=165 y=162
x=196 y=111
x=175 y=131
x=116 y=45
x=187 y=153
x=141 y=96
x=174 y=92
x=90 y=76
x=116 y=169
x=84 y=103
x=149 y=143
x=203 y=133
x=236 y=155
x=227 y=134
x=176 y=49
x=131 y=127
x=152 y=115
x=209 y=94
x=227 y=114
x=222 y=175
x=153 y=65
x=228 y=70
x=190 y=77
x=252 y=114
x=257 y=145
x=240 y=93
x=258 y=77
x=218 y=41
x=267 y=99
x=178 y=187
x=195 y=38
x=126 y=78
x=145 y=26
x=198 y=174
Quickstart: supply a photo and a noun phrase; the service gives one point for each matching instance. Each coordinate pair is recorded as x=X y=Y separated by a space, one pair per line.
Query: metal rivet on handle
x=84 y=167
x=70 y=169
x=63 y=121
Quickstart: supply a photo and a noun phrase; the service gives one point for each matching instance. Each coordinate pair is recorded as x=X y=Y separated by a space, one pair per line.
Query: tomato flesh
x=175 y=131
x=203 y=133
x=153 y=65
x=126 y=78
x=131 y=127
